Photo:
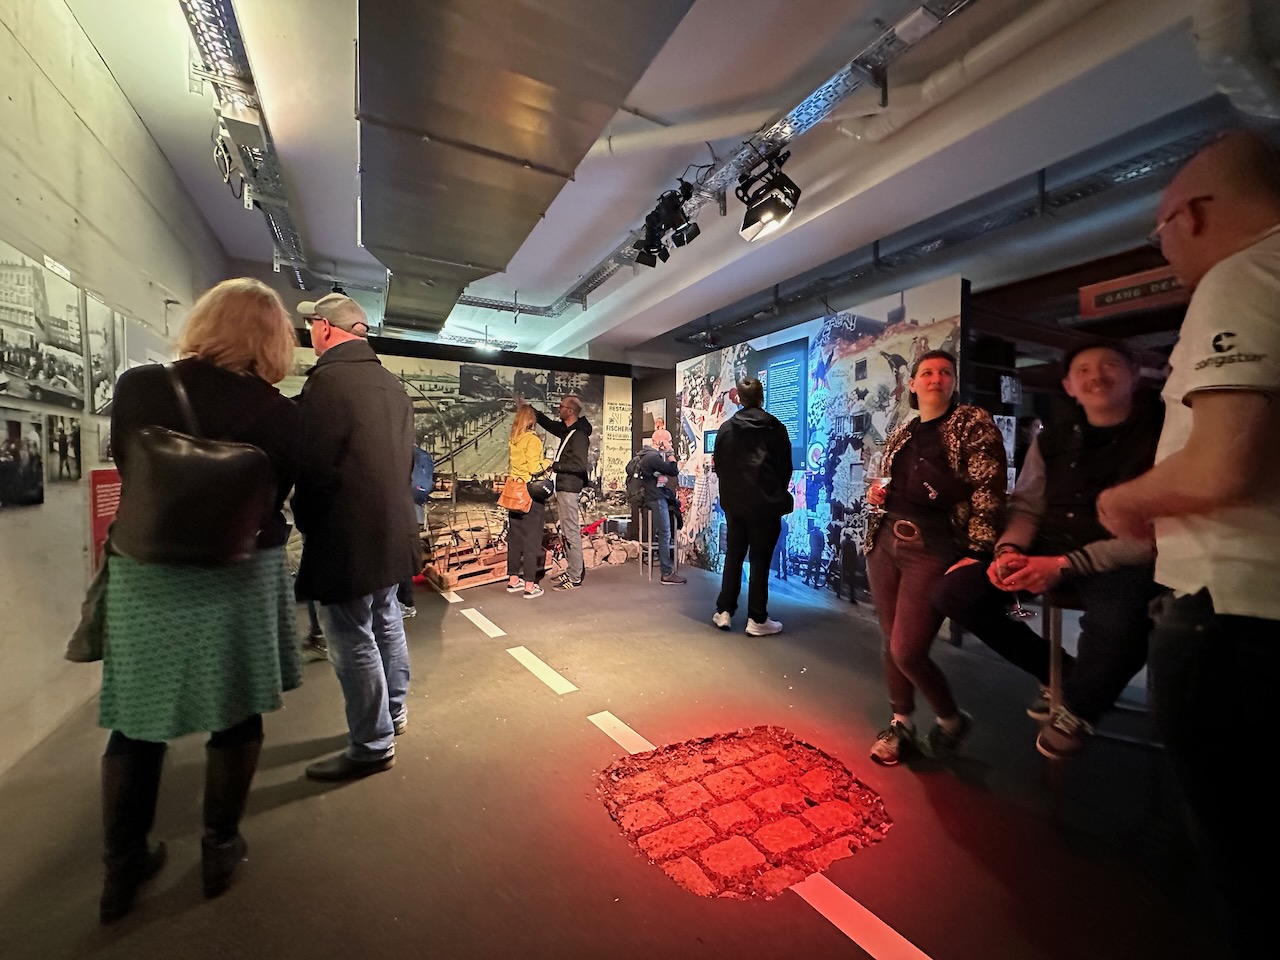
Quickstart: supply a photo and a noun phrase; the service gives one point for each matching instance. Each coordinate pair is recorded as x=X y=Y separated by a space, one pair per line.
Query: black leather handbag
x=190 y=500
x=541 y=489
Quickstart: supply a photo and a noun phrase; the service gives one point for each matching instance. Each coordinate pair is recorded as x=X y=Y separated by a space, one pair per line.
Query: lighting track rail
x=865 y=68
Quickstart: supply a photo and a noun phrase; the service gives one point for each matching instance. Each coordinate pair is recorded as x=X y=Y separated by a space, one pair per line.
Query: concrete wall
x=82 y=181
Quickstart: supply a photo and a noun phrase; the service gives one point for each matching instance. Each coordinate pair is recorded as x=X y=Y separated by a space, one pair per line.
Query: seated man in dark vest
x=1053 y=538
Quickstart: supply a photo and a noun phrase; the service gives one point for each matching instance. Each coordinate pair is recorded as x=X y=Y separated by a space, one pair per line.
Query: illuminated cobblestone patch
x=744 y=814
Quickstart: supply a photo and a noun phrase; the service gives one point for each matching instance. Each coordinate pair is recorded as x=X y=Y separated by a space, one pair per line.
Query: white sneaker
x=723 y=619
x=516 y=587
x=763 y=629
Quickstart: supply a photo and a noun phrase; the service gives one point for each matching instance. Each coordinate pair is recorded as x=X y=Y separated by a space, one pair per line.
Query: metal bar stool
x=649 y=547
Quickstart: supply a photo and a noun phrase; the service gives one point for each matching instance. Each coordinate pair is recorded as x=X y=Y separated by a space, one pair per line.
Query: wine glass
x=874 y=477
x=1017 y=613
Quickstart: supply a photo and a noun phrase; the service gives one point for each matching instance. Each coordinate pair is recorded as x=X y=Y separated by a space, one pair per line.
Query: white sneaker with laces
x=763 y=629
x=722 y=619
x=516 y=587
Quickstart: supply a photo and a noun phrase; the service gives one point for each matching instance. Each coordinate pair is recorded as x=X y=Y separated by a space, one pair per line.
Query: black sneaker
x=940 y=744
x=672 y=578
x=1038 y=709
x=313 y=651
x=895 y=744
x=568 y=583
x=1064 y=736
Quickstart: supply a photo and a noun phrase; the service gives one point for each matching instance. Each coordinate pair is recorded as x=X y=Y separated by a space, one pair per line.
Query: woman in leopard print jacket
x=942 y=510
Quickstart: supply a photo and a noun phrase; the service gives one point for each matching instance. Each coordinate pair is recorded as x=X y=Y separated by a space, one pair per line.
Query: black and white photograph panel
x=21 y=458
x=62 y=449
x=105 y=330
x=41 y=354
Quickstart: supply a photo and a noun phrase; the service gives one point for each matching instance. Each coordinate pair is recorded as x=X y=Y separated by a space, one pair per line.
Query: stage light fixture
x=769 y=194
x=685 y=233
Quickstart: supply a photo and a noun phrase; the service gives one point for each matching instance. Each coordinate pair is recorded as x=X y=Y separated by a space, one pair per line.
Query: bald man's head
x=1220 y=202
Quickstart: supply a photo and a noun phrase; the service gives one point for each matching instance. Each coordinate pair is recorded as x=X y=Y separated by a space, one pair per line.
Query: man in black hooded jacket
x=753 y=464
x=571 y=467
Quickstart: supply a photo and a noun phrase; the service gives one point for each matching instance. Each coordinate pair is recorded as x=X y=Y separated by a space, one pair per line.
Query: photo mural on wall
x=839 y=383
x=21 y=458
x=41 y=348
x=463 y=413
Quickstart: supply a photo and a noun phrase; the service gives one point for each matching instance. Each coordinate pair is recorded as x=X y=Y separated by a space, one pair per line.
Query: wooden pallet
x=459 y=578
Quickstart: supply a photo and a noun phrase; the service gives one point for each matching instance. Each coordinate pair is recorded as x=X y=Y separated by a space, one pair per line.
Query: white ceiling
x=1120 y=66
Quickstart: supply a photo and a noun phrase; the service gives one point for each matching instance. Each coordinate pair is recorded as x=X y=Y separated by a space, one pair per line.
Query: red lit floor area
x=490 y=838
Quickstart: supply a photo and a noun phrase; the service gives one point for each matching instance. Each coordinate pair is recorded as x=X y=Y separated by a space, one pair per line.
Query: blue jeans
x=1113 y=630
x=313 y=615
x=371 y=658
x=1213 y=683
x=661 y=514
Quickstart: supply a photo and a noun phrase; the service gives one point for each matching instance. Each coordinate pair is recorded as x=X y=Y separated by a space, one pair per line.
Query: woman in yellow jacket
x=524 y=541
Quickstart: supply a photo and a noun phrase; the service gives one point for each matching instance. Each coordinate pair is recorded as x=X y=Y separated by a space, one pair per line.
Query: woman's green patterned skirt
x=196 y=649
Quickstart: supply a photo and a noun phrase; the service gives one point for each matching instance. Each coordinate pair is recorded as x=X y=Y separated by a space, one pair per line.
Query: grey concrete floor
x=487 y=840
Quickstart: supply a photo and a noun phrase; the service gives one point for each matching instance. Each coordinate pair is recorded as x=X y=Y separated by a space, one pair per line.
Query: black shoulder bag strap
x=184 y=402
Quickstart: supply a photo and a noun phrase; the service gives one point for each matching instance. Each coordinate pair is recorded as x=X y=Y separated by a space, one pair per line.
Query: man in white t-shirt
x=1213 y=498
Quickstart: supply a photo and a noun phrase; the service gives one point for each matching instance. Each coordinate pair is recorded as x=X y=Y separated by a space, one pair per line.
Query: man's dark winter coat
x=572 y=467
x=353 y=503
x=753 y=463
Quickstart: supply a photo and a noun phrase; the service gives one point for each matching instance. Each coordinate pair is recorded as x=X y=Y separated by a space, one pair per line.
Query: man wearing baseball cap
x=353 y=506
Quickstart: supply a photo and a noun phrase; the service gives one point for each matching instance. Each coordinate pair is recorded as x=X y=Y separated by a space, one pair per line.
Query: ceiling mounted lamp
x=650 y=249
x=769 y=194
x=685 y=233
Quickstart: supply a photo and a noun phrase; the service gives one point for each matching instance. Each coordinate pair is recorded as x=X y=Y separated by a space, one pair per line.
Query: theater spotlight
x=769 y=194
x=687 y=232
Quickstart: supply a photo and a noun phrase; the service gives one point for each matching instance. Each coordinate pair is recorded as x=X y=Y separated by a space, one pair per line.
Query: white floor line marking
x=620 y=733
x=540 y=670
x=855 y=921
x=450 y=596
x=490 y=628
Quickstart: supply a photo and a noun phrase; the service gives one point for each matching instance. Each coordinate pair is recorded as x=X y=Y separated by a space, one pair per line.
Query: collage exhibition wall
x=61 y=350
x=838 y=383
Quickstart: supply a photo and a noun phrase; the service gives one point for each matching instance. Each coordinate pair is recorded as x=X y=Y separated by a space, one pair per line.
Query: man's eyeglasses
x=1153 y=238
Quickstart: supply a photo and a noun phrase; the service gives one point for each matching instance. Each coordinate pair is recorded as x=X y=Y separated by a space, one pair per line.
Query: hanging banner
x=1138 y=291
x=104 y=499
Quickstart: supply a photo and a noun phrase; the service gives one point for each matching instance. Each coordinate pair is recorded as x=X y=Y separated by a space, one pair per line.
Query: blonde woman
x=524 y=542
x=193 y=649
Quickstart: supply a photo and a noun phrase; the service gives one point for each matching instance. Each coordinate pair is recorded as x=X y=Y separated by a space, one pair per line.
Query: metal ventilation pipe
x=998 y=50
x=713 y=128
x=1226 y=42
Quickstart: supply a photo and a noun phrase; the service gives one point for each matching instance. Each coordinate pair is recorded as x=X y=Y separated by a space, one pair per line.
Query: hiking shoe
x=312 y=652
x=515 y=587
x=1038 y=709
x=895 y=744
x=536 y=592
x=941 y=744
x=1063 y=736
x=566 y=583
x=672 y=578
x=763 y=629
x=723 y=619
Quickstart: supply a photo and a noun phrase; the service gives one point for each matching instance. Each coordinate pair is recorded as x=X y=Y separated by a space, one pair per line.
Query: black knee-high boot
x=228 y=773
x=130 y=785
